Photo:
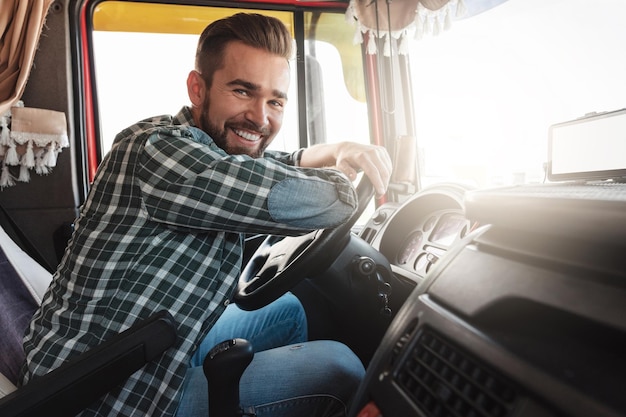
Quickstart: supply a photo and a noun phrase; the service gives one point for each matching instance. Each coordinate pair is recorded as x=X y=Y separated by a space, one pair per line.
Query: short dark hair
x=253 y=29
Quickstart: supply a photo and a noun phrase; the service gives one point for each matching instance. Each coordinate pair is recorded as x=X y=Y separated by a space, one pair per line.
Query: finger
x=385 y=165
x=348 y=170
x=377 y=172
x=374 y=161
x=381 y=168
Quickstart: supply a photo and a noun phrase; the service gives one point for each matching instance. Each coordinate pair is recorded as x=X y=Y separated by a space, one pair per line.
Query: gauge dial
x=411 y=246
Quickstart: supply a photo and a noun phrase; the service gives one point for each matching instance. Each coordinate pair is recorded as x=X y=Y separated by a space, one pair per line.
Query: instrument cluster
x=414 y=235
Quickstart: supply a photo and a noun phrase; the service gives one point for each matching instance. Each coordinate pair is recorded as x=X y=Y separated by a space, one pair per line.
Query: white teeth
x=248 y=136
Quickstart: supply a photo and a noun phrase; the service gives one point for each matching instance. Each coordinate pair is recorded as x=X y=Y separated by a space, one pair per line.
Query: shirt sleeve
x=292 y=159
x=187 y=181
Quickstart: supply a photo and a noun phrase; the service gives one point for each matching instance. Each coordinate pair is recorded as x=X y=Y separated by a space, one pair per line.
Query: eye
x=277 y=103
x=241 y=92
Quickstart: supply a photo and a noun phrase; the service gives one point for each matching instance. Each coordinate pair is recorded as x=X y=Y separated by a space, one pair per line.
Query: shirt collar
x=184 y=117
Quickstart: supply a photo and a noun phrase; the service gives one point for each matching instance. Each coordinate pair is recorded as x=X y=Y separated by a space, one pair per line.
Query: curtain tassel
x=447 y=21
x=6 y=179
x=461 y=9
x=40 y=167
x=387 y=45
x=24 y=174
x=371 y=44
x=4 y=133
x=403 y=45
x=28 y=159
x=50 y=158
x=11 y=157
x=436 y=26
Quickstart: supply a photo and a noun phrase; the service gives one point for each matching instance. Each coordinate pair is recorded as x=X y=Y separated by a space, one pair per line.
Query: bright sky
x=488 y=89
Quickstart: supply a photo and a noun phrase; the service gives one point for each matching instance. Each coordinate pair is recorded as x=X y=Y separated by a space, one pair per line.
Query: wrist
x=297 y=157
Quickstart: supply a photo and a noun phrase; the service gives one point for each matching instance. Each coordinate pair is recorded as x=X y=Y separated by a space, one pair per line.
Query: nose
x=257 y=113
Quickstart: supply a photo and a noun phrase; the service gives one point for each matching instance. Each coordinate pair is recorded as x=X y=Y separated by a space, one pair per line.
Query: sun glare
x=488 y=89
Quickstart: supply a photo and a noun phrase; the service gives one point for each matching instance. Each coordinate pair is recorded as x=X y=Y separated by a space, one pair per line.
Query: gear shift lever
x=223 y=367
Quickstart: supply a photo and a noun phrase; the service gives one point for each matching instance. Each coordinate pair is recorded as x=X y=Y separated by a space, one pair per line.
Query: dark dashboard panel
x=525 y=316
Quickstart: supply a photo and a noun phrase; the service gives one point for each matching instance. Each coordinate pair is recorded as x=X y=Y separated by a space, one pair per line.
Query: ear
x=196 y=88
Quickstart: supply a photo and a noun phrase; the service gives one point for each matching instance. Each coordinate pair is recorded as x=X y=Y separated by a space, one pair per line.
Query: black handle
x=223 y=367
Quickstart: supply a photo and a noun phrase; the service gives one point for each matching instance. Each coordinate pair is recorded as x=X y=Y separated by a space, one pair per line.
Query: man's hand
x=351 y=158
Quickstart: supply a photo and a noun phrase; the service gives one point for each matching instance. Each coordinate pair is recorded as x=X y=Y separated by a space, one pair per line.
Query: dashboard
x=518 y=306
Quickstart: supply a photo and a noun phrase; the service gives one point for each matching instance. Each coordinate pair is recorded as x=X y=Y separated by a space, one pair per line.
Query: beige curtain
x=401 y=20
x=21 y=22
x=30 y=138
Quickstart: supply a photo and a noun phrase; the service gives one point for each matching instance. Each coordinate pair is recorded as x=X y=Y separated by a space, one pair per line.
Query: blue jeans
x=280 y=323
x=288 y=376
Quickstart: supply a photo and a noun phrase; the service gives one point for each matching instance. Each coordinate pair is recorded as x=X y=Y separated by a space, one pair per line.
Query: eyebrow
x=254 y=87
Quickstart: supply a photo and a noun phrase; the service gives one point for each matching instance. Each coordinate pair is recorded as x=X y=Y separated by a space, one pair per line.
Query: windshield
x=485 y=92
x=488 y=89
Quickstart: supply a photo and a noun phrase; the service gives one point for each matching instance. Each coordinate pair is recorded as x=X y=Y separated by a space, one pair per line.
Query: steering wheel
x=281 y=262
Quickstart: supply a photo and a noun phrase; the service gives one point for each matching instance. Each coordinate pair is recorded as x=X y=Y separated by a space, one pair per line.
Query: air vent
x=404 y=338
x=443 y=381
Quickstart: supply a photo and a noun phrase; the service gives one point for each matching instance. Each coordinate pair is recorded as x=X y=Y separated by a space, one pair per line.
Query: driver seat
x=76 y=384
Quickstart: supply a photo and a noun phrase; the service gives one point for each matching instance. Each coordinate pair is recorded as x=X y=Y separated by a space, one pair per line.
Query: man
x=163 y=225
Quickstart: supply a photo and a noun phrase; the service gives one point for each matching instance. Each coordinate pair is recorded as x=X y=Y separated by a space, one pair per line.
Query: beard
x=219 y=135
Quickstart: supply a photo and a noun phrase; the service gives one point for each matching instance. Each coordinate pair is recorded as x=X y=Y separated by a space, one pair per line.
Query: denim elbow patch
x=307 y=203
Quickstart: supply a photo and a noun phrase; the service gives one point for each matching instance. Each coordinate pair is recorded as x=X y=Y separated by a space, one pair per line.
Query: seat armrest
x=76 y=384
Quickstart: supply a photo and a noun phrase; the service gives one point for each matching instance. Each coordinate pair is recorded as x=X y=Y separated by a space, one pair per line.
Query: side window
x=144 y=51
x=137 y=80
x=336 y=105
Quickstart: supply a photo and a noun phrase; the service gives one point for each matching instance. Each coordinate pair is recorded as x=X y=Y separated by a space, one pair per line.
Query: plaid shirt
x=162 y=228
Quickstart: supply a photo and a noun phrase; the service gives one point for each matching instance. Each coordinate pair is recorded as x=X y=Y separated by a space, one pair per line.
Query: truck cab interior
x=489 y=281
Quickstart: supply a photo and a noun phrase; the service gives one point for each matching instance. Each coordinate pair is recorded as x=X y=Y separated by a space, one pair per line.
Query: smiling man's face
x=243 y=108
